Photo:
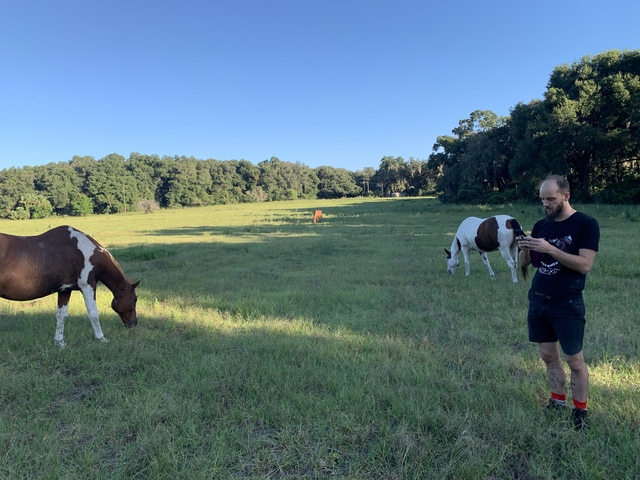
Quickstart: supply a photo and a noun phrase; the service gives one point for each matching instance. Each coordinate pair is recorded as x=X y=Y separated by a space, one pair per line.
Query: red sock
x=561 y=397
x=580 y=405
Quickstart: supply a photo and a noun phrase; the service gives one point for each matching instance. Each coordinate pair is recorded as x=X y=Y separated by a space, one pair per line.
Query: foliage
x=19 y=213
x=625 y=192
x=336 y=183
x=36 y=206
x=80 y=206
x=587 y=127
x=148 y=206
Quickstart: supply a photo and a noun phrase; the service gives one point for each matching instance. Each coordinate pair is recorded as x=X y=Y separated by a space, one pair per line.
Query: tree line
x=115 y=184
x=587 y=127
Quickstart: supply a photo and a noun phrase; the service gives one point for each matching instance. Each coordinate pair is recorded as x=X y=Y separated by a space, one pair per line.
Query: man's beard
x=554 y=213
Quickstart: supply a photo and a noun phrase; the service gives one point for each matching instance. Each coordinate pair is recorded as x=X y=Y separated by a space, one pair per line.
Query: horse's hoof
x=102 y=340
x=60 y=344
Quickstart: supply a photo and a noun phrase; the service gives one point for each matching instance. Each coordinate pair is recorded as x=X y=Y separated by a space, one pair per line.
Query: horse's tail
x=524 y=269
x=517 y=231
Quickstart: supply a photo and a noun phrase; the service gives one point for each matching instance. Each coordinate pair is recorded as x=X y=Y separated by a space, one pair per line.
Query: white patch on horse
x=87 y=248
x=61 y=315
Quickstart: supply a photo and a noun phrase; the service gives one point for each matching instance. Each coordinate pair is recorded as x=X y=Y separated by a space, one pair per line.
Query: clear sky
x=332 y=82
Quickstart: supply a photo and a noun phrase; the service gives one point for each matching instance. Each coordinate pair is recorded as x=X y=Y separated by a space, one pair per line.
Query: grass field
x=270 y=347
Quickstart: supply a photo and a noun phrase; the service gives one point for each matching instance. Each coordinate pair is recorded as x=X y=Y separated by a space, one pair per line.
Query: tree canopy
x=586 y=127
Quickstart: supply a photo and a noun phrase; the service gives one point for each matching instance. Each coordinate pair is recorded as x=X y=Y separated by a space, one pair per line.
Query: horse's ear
x=448 y=253
x=134 y=285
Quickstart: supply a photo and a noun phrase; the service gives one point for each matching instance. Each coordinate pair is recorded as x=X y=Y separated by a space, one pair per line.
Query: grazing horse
x=317 y=216
x=486 y=235
x=60 y=261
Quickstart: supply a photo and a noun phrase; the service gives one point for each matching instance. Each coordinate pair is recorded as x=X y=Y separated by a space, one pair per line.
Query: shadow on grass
x=265 y=398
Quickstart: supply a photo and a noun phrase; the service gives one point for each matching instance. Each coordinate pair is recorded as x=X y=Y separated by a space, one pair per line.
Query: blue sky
x=341 y=83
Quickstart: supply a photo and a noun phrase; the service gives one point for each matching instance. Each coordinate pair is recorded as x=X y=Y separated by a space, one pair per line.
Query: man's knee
x=549 y=352
x=576 y=362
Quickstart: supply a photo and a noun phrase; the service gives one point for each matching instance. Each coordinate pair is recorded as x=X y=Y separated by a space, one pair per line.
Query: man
x=563 y=247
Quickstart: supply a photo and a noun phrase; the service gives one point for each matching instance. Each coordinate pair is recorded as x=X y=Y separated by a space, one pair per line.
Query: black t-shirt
x=570 y=235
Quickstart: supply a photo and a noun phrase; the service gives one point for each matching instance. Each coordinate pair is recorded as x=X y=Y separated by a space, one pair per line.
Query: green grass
x=270 y=347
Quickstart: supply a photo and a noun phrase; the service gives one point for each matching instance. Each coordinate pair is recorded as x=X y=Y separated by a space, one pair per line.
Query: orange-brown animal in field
x=317 y=216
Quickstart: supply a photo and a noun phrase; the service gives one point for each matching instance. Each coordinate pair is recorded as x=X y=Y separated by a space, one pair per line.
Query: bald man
x=562 y=247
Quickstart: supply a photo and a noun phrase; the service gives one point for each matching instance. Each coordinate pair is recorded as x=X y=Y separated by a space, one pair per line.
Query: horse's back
x=484 y=234
x=468 y=228
x=39 y=265
x=468 y=223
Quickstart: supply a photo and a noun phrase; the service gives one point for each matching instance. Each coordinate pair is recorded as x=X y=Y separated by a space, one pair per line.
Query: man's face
x=552 y=200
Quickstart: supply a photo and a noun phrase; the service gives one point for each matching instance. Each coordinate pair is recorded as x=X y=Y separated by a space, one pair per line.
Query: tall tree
x=111 y=187
x=391 y=176
x=593 y=122
x=146 y=171
x=188 y=182
x=14 y=183
x=529 y=136
x=472 y=159
x=287 y=181
x=60 y=184
x=363 y=179
x=336 y=183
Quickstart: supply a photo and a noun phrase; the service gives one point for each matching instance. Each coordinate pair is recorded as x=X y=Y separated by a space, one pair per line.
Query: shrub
x=81 y=206
x=36 y=205
x=469 y=194
x=494 y=198
x=19 y=213
x=148 y=206
x=624 y=193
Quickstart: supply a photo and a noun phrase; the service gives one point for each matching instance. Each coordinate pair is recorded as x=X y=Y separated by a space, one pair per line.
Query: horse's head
x=452 y=263
x=124 y=304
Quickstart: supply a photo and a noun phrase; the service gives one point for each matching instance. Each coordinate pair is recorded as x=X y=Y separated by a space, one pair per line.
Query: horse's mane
x=111 y=257
x=117 y=265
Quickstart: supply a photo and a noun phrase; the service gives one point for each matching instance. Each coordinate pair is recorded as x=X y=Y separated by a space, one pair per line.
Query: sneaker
x=555 y=406
x=580 y=420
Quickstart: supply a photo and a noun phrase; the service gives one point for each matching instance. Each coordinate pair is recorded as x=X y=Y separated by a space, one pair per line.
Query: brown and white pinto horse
x=60 y=261
x=486 y=235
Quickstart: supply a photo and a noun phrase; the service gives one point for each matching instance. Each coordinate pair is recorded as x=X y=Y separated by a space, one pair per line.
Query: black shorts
x=557 y=320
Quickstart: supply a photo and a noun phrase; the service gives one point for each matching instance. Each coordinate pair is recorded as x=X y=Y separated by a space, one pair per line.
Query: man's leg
x=579 y=390
x=550 y=355
x=579 y=377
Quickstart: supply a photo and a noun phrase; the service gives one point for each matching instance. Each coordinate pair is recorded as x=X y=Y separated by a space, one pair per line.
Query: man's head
x=555 y=194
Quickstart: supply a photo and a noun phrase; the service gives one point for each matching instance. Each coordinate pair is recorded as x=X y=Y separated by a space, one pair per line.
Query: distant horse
x=317 y=216
x=486 y=235
x=60 y=261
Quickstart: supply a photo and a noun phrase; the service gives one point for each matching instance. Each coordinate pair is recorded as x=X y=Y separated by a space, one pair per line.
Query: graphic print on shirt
x=549 y=265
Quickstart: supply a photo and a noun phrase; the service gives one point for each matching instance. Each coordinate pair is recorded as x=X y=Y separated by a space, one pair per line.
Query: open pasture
x=272 y=347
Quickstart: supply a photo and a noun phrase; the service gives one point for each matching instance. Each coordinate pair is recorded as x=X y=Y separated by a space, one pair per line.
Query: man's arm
x=581 y=263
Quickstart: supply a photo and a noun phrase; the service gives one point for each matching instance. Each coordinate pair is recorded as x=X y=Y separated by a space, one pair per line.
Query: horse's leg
x=62 y=311
x=485 y=260
x=510 y=257
x=89 y=293
x=467 y=263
